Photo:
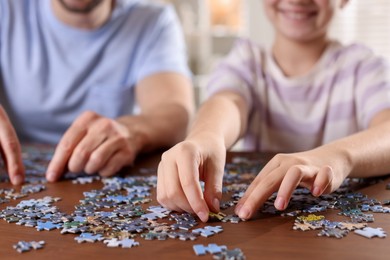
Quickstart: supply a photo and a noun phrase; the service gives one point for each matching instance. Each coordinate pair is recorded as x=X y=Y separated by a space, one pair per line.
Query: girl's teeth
x=297 y=16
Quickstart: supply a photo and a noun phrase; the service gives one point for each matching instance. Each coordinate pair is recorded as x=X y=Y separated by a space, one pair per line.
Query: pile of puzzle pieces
x=113 y=215
x=355 y=206
x=117 y=216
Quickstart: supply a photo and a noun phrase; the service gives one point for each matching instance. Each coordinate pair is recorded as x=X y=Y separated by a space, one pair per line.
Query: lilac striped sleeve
x=235 y=72
x=373 y=88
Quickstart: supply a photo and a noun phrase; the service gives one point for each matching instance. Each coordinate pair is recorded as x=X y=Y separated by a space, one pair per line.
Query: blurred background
x=211 y=27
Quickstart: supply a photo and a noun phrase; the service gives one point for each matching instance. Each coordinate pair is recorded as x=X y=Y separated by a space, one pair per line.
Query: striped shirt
x=346 y=88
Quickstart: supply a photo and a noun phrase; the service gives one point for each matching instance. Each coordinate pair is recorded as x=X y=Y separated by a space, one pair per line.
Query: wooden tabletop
x=266 y=237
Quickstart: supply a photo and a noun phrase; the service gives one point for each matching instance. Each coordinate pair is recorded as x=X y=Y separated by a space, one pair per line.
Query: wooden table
x=266 y=237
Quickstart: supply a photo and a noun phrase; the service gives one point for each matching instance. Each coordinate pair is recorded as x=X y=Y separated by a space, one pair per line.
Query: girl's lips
x=298 y=15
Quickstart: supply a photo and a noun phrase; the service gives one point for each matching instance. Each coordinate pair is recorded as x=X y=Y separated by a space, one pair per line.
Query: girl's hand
x=321 y=170
x=182 y=167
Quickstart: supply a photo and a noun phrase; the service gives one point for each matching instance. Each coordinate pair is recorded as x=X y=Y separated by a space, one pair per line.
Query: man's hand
x=93 y=144
x=321 y=171
x=180 y=170
x=10 y=148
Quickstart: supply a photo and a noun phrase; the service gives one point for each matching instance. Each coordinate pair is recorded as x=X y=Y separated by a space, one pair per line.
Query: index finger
x=11 y=150
x=267 y=169
x=188 y=170
x=290 y=182
x=64 y=150
x=259 y=192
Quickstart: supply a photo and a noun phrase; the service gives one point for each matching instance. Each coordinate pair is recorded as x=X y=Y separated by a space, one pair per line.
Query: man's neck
x=298 y=58
x=87 y=21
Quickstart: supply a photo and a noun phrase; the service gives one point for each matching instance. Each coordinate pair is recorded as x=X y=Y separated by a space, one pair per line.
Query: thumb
x=213 y=185
x=10 y=149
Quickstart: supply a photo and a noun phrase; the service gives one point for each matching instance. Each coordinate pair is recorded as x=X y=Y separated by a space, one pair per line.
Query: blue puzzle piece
x=47 y=226
x=88 y=237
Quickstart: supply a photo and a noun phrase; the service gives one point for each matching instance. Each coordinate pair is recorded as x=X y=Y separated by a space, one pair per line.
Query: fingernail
x=244 y=212
x=237 y=210
x=279 y=203
x=50 y=176
x=203 y=216
x=216 y=204
x=16 y=180
x=316 y=191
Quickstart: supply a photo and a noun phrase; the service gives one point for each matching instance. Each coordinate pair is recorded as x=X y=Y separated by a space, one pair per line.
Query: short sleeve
x=235 y=72
x=1 y=19
x=373 y=88
x=164 y=49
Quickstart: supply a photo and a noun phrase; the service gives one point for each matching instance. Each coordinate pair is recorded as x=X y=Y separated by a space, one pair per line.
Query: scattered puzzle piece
x=124 y=243
x=211 y=248
x=85 y=179
x=333 y=232
x=128 y=243
x=154 y=235
x=302 y=226
x=47 y=226
x=310 y=217
x=208 y=231
x=352 y=226
x=113 y=242
x=184 y=235
x=88 y=237
x=232 y=219
x=23 y=246
x=219 y=216
x=235 y=254
x=370 y=232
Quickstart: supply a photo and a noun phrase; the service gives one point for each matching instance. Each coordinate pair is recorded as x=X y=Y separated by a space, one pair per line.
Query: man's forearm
x=160 y=129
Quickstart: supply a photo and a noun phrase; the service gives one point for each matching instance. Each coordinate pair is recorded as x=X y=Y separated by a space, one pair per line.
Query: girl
x=326 y=104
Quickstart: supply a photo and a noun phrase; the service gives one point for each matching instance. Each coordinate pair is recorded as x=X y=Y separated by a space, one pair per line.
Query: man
x=74 y=72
